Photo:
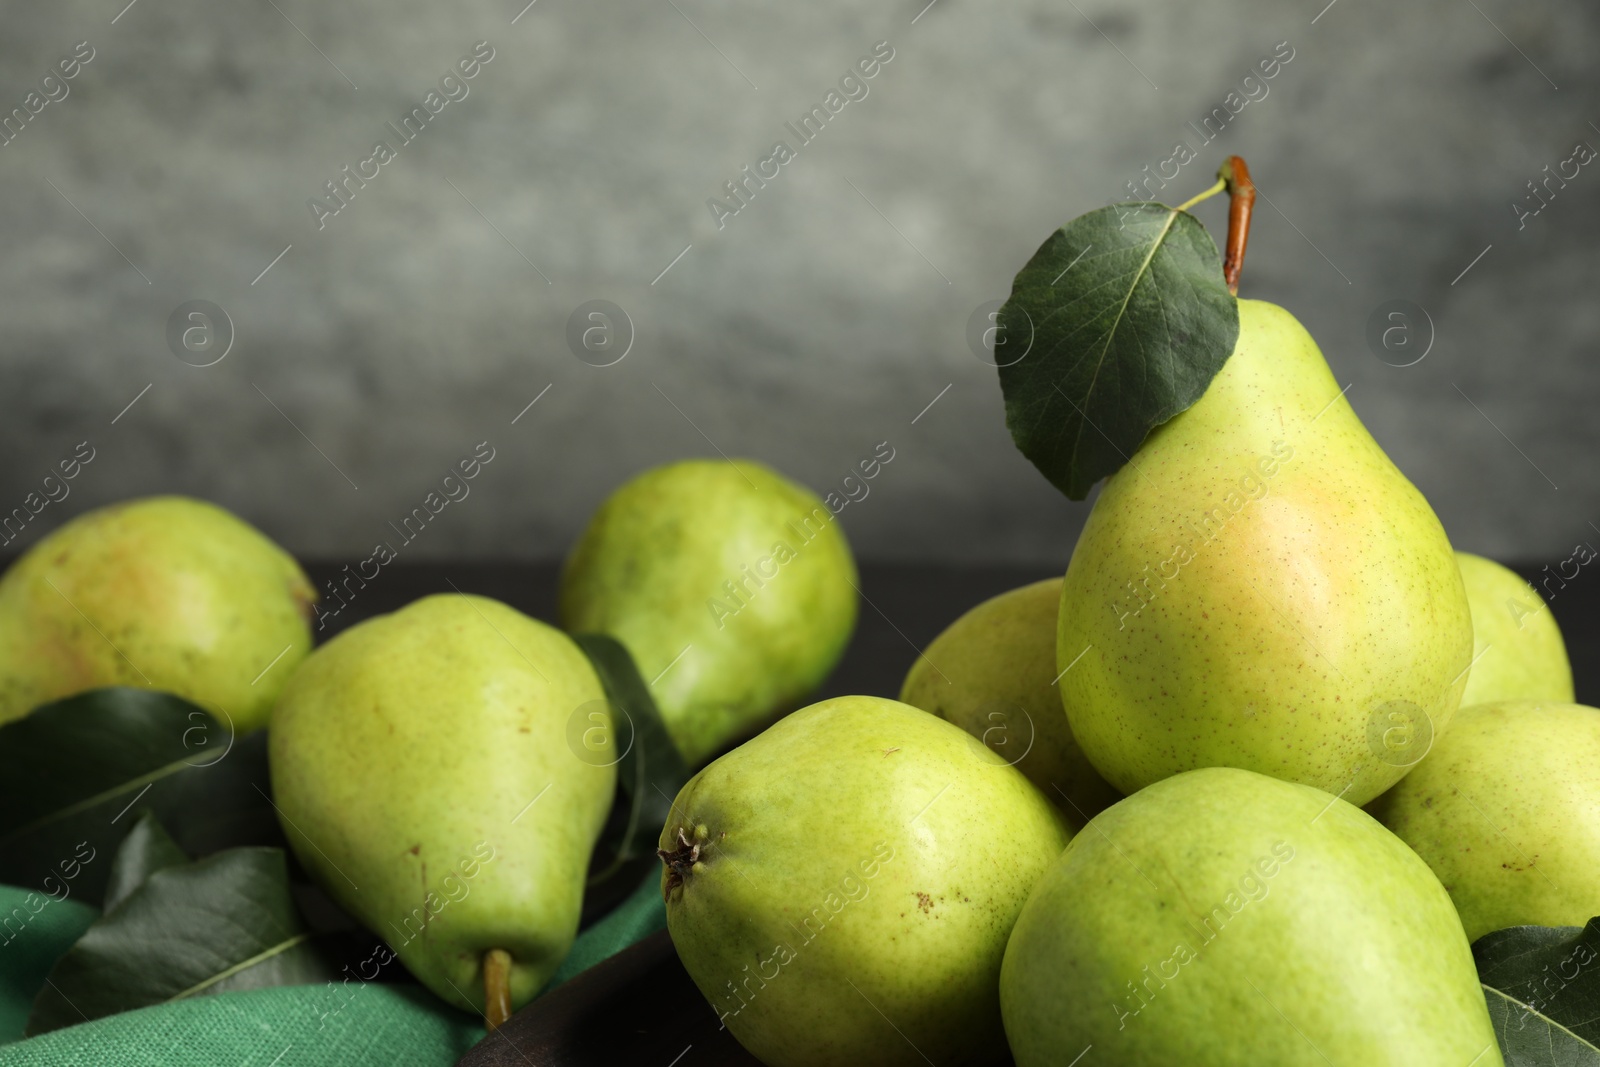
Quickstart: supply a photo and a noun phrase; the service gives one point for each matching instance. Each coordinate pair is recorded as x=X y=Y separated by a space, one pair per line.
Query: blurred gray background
x=376 y=351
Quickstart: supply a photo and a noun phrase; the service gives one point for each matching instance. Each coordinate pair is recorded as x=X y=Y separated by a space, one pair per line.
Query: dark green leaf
x=1543 y=988
x=147 y=849
x=1528 y=1039
x=223 y=923
x=1117 y=323
x=649 y=775
x=75 y=775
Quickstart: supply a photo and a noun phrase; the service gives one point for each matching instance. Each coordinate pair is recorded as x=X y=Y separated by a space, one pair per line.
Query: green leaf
x=1117 y=323
x=148 y=848
x=223 y=923
x=650 y=773
x=75 y=776
x=1528 y=1039
x=1543 y=988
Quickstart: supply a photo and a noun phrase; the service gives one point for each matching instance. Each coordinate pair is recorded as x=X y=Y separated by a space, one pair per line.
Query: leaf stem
x=496 y=988
x=1241 y=203
x=1222 y=183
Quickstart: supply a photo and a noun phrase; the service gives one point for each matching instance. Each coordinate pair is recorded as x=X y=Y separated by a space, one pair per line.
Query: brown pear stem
x=1241 y=203
x=496 y=988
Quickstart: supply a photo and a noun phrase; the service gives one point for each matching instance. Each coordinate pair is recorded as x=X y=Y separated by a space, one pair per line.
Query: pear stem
x=496 y=988
x=1222 y=184
x=1241 y=203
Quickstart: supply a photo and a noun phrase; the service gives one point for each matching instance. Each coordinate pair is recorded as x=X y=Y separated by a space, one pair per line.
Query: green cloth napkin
x=361 y=1025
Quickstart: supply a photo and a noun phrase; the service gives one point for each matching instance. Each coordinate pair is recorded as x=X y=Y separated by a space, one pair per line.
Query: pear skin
x=1506 y=810
x=840 y=887
x=1261 y=588
x=1221 y=917
x=1518 y=653
x=992 y=672
x=161 y=593
x=426 y=774
x=733 y=588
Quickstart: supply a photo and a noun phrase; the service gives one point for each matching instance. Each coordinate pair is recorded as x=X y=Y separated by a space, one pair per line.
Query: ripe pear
x=1221 y=917
x=1518 y=653
x=1506 y=810
x=426 y=771
x=1260 y=587
x=733 y=588
x=162 y=593
x=840 y=888
x=992 y=672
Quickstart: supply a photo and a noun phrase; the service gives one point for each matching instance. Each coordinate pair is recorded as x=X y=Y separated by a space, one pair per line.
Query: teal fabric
x=36 y=930
x=365 y=1025
x=635 y=919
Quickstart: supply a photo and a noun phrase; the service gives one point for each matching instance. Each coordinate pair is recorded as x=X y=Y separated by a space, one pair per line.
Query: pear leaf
x=223 y=923
x=148 y=848
x=76 y=774
x=1118 y=322
x=650 y=772
x=1543 y=989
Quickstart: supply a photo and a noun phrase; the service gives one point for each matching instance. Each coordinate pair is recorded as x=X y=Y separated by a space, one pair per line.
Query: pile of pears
x=1242 y=786
x=444 y=771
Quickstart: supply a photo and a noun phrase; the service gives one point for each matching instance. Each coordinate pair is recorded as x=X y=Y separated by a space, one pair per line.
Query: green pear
x=992 y=672
x=840 y=888
x=1506 y=810
x=161 y=593
x=426 y=772
x=1260 y=587
x=1221 y=917
x=733 y=588
x=1518 y=653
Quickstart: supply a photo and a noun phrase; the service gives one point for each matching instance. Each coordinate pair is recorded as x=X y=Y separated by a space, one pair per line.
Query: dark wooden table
x=639 y=1007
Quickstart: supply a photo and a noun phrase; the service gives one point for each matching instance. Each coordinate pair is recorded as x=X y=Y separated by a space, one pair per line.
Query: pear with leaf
x=1257 y=586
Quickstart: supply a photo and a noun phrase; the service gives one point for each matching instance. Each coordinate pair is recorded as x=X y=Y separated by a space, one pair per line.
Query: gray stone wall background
x=820 y=320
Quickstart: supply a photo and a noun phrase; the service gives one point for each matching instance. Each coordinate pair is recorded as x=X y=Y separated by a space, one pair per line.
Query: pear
x=1518 y=653
x=425 y=772
x=992 y=672
x=1221 y=917
x=733 y=588
x=1506 y=810
x=1260 y=587
x=840 y=888
x=162 y=593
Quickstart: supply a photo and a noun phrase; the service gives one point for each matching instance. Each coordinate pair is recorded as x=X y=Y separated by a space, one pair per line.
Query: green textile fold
x=353 y=1025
